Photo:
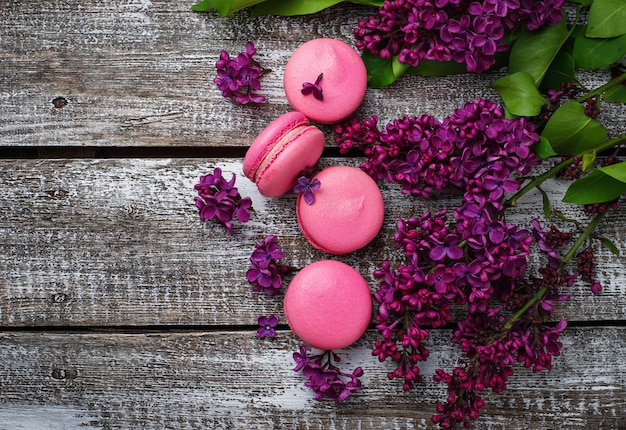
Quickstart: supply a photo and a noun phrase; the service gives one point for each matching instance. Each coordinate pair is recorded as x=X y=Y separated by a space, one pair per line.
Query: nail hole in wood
x=58 y=373
x=59 y=102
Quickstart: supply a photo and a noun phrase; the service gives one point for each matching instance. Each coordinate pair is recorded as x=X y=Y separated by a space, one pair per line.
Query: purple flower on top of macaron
x=307 y=187
x=315 y=88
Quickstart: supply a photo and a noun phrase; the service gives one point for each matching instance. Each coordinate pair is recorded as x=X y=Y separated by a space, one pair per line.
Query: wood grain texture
x=226 y=380
x=121 y=239
x=120 y=309
x=139 y=73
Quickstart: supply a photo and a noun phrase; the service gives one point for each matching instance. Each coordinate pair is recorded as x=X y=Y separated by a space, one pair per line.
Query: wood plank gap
x=127 y=329
x=89 y=152
x=138 y=329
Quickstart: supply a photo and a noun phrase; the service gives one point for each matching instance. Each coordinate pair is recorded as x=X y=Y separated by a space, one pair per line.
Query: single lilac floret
x=315 y=88
x=307 y=187
x=267 y=326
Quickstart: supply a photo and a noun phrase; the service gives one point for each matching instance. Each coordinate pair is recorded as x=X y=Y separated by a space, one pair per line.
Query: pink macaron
x=328 y=305
x=326 y=80
x=282 y=151
x=347 y=211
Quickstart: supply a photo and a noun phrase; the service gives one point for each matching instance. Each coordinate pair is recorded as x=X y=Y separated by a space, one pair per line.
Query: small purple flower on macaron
x=315 y=88
x=267 y=326
x=307 y=187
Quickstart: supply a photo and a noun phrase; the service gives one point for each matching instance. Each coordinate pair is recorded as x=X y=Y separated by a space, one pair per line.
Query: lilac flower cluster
x=467 y=257
x=324 y=378
x=219 y=199
x=266 y=273
x=238 y=78
x=464 y=31
x=475 y=148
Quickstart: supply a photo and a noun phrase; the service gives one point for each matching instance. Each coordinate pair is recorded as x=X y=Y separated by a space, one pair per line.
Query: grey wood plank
x=232 y=380
x=121 y=243
x=139 y=73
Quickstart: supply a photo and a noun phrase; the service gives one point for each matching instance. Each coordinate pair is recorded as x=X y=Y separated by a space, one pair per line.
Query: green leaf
x=609 y=245
x=615 y=171
x=607 y=18
x=589 y=161
x=543 y=149
x=381 y=72
x=292 y=7
x=520 y=94
x=571 y=132
x=596 y=53
x=534 y=51
x=562 y=70
x=223 y=7
x=597 y=187
x=616 y=94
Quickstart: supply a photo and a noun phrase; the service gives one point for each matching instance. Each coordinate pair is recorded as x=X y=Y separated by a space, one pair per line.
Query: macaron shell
x=328 y=305
x=347 y=212
x=343 y=84
x=286 y=147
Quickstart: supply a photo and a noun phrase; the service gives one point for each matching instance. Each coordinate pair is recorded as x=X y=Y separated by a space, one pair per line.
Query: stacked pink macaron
x=288 y=146
x=328 y=303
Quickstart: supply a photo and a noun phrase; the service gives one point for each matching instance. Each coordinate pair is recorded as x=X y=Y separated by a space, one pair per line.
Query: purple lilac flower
x=463 y=31
x=307 y=187
x=324 y=378
x=220 y=200
x=238 y=78
x=314 y=88
x=542 y=242
x=300 y=358
x=446 y=248
x=476 y=144
x=266 y=273
x=267 y=326
x=468 y=256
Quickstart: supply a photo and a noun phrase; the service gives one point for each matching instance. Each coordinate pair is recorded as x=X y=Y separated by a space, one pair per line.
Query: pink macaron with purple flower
x=326 y=80
x=343 y=213
x=288 y=146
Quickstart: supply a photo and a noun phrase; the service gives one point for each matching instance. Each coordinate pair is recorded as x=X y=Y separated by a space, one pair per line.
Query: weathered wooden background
x=120 y=309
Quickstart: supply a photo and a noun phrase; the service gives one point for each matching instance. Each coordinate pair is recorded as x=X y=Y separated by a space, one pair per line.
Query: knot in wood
x=59 y=297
